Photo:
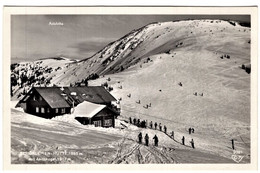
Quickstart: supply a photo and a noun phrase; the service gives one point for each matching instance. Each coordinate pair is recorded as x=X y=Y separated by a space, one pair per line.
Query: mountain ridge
x=139 y=44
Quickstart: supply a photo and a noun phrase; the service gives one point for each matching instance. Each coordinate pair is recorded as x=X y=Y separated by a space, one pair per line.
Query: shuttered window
x=57 y=110
x=62 y=110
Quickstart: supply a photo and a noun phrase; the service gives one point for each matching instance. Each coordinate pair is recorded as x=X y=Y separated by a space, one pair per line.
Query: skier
x=189 y=130
x=138 y=122
x=155 y=140
x=140 y=137
x=192 y=143
x=143 y=124
x=172 y=134
x=134 y=121
x=130 y=120
x=146 y=139
x=155 y=125
x=233 y=144
x=192 y=130
x=160 y=126
x=165 y=129
x=183 y=140
x=151 y=124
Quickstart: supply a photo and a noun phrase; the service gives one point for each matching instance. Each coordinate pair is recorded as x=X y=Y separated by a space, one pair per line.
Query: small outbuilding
x=97 y=114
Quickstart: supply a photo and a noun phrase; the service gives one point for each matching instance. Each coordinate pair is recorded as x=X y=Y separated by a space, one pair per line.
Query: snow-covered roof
x=55 y=96
x=52 y=95
x=87 y=109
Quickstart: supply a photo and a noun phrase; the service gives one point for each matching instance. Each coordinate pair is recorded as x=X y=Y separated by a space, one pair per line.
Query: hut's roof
x=87 y=109
x=61 y=97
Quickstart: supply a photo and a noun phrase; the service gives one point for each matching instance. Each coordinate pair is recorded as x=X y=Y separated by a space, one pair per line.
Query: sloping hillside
x=191 y=73
x=64 y=140
x=38 y=73
x=209 y=66
x=216 y=36
x=161 y=38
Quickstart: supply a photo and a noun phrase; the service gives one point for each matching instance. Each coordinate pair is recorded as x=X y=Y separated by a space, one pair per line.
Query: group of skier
x=146 y=138
x=138 y=122
x=191 y=142
x=160 y=126
x=191 y=130
x=143 y=124
x=152 y=125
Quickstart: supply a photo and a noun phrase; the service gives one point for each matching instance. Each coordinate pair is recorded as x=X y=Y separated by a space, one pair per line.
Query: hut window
x=62 y=110
x=34 y=97
x=48 y=110
x=57 y=110
x=108 y=122
x=37 y=109
x=40 y=98
x=97 y=123
x=42 y=110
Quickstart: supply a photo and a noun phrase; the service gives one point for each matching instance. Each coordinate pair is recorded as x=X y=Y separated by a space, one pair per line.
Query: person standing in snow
x=183 y=140
x=134 y=121
x=189 y=130
x=155 y=125
x=143 y=124
x=146 y=139
x=130 y=120
x=160 y=126
x=151 y=124
x=165 y=129
x=140 y=137
x=155 y=140
x=192 y=130
x=192 y=143
x=138 y=122
x=172 y=134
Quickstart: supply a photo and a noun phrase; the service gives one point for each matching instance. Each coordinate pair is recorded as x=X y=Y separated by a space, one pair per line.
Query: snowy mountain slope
x=159 y=38
x=153 y=39
x=221 y=114
x=205 y=56
x=38 y=73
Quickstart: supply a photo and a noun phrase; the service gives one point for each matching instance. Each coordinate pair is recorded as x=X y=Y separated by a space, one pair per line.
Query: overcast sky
x=81 y=35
